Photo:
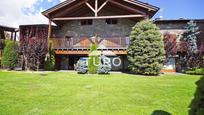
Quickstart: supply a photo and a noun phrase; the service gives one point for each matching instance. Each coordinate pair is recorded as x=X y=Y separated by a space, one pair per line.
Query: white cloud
x=161 y=13
x=21 y=12
x=62 y=0
x=49 y=0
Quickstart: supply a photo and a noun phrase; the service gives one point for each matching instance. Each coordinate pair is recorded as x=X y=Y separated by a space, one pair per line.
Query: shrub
x=50 y=62
x=104 y=69
x=81 y=67
x=146 y=51
x=10 y=55
x=105 y=66
x=197 y=104
x=93 y=60
x=196 y=71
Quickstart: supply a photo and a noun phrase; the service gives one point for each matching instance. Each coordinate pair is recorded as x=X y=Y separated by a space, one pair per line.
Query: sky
x=20 y=12
x=175 y=9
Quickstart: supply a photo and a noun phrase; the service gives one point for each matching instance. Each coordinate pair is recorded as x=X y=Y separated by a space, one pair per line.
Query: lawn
x=57 y=93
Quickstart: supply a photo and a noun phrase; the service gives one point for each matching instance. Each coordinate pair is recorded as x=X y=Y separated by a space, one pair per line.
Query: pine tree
x=190 y=36
x=146 y=52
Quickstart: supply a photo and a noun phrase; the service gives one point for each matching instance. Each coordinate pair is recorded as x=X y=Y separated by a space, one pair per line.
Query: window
x=86 y=22
x=111 y=21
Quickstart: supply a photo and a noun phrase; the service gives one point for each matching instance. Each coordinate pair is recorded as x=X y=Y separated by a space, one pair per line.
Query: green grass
x=57 y=93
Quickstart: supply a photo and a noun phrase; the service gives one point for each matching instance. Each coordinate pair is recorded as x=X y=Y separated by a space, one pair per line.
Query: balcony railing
x=85 y=43
x=107 y=43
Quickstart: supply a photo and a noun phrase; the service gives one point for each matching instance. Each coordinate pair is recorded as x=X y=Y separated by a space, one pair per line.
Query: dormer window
x=111 y=21
x=86 y=22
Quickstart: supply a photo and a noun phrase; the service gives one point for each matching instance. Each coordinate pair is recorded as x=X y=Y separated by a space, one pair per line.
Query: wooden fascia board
x=99 y=17
x=150 y=7
x=128 y=8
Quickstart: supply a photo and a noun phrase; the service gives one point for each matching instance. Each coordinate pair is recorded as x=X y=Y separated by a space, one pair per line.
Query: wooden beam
x=99 y=17
x=74 y=52
x=96 y=8
x=102 y=5
x=120 y=52
x=90 y=7
x=49 y=31
x=70 y=52
x=126 y=7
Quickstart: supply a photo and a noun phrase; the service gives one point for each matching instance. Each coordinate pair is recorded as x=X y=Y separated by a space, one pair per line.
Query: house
x=78 y=22
x=175 y=28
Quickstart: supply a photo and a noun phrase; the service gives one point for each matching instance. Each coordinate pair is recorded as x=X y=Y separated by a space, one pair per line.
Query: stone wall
x=177 y=26
x=99 y=27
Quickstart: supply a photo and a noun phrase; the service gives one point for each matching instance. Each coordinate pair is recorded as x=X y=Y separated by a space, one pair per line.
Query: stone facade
x=99 y=27
x=177 y=26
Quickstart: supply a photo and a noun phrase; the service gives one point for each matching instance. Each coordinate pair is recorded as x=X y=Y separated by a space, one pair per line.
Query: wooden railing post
x=49 y=32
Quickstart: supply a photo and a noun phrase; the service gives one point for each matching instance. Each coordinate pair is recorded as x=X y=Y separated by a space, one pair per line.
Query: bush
x=197 y=71
x=50 y=62
x=10 y=55
x=146 y=52
x=81 y=67
x=93 y=60
x=104 y=69
x=105 y=65
x=197 y=104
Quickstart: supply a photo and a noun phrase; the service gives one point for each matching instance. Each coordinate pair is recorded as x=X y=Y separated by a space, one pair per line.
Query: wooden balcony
x=84 y=43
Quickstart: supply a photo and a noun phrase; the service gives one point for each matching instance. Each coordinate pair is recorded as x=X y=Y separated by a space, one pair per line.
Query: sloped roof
x=147 y=6
x=60 y=5
x=6 y=28
x=177 y=20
